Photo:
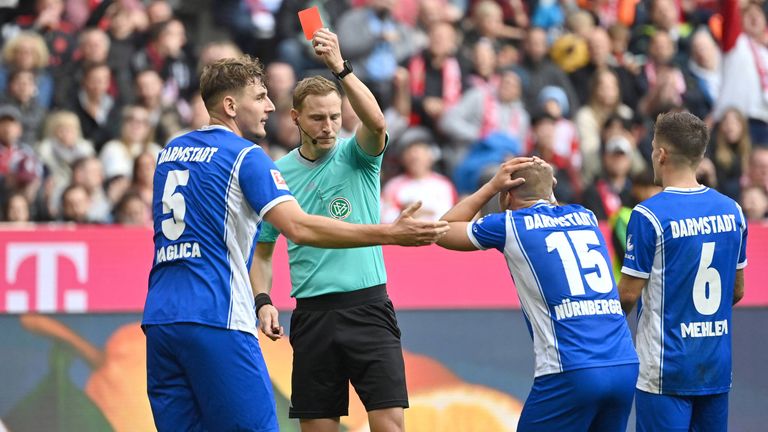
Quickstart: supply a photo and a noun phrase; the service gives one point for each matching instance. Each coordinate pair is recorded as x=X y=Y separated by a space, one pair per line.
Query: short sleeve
x=268 y=233
x=489 y=231
x=642 y=237
x=352 y=150
x=261 y=182
x=743 y=247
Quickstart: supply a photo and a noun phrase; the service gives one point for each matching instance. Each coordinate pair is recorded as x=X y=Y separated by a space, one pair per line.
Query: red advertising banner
x=105 y=269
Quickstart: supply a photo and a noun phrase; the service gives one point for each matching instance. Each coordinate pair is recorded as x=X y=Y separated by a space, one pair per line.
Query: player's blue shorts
x=202 y=378
x=590 y=399
x=658 y=412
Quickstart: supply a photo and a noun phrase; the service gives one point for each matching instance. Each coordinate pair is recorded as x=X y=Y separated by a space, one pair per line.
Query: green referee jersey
x=344 y=184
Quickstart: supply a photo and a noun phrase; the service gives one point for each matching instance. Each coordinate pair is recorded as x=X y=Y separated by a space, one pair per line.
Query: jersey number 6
x=173 y=203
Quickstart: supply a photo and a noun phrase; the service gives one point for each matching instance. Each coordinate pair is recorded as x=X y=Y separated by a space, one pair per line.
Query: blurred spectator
x=485 y=111
x=165 y=119
x=662 y=81
x=620 y=54
x=374 y=43
x=124 y=28
x=98 y=112
x=251 y=24
x=158 y=11
x=600 y=57
x=487 y=23
x=512 y=14
x=88 y=173
x=569 y=52
x=281 y=79
x=729 y=151
x=754 y=200
x=16 y=209
x=758 y=168
x=482 y=71
x=745 y=67
x=20 y=169
x=610 y=12
x=57 y=32
x=604 y=102
x=703 y=68
x=541 y=72
x=165 y=55
x=28 y=52
x=418 y=181
x=132 y=210
x=118 y=155
x=554 y=102
x=282 y=133
x=215 y=51
x=435 y=77
x=612 y=190
x=143 y=173
x=115 y=188
x=21 y=94
x=62 y=145
x=664 y=17
x=75 y=205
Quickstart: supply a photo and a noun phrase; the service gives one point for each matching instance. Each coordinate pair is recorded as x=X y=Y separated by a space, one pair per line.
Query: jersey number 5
x=173 y=203
x=707 y=276
x=588 y=259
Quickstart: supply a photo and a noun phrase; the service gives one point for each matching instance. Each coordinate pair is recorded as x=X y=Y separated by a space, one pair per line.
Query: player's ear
x=229 y=104
x=295 y=116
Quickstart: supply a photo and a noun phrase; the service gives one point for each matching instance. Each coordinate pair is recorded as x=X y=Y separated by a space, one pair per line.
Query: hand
x=408 y=231
x=502 y=180
x=268 y=322
x=326 y=45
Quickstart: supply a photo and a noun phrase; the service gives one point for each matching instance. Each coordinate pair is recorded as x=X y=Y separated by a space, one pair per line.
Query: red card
x=310 y=21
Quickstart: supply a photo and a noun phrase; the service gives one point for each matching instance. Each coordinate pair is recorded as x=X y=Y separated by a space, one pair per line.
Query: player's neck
x=684 y=179
x=311 y=152
x=227 y=123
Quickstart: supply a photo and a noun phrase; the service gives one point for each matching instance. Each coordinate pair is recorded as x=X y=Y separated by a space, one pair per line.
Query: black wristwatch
x=344 y=72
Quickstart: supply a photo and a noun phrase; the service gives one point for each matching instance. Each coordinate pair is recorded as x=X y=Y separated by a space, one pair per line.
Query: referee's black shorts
x=338 y=338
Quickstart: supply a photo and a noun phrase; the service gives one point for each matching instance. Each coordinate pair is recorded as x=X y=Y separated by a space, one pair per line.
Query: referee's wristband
x=262 y=299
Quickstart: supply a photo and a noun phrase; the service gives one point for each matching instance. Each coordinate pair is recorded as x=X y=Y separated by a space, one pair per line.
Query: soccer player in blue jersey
x=344 y=328
x=212 y=189
x=686 y=254
x=586 y=366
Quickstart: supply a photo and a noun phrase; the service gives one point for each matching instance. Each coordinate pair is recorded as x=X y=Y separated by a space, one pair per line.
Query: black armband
x=262 y=299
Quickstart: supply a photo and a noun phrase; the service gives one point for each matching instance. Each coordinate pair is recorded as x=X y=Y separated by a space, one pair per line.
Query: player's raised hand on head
x=268 y=322
x=326 y=45
x=407 y=231
x=502 y=180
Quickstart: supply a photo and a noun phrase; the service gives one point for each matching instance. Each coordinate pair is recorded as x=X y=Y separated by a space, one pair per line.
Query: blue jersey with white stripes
x=688 y=243
x=561 y=268
x=212 y=188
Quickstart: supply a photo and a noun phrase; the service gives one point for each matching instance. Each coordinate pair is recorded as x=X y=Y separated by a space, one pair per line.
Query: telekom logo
x=47 y=276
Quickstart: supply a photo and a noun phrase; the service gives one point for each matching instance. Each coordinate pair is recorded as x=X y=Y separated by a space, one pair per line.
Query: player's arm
x=738 y=286
x=462 y=213
x=630 y=288
x=311 y=230
x=261 y=283
x=371 y=135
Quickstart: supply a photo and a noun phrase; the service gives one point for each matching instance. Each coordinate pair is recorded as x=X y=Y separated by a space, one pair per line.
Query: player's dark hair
x=683 y=134
x=312 y=86
x=229 y=75
x=538 y=182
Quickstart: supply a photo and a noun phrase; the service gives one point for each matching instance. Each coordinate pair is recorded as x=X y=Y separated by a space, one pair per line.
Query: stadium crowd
x=91 y=91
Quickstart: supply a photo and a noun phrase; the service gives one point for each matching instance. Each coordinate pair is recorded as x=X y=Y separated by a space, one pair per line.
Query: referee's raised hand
x=408 y=231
